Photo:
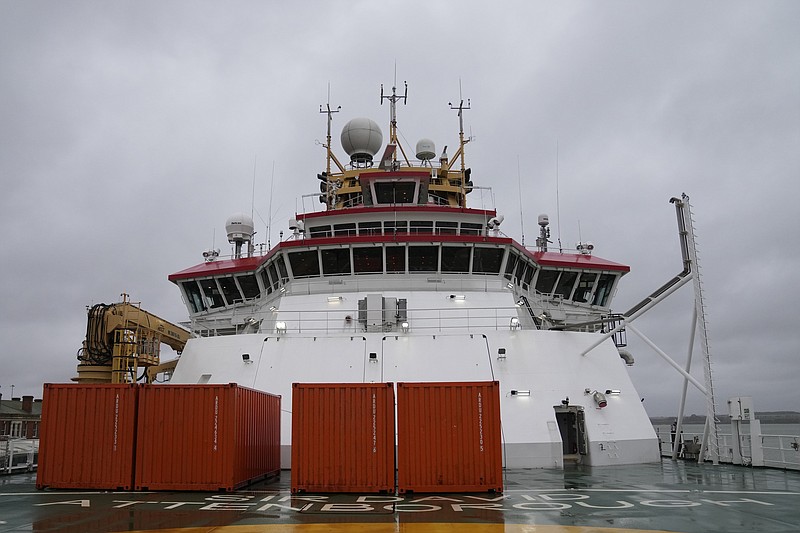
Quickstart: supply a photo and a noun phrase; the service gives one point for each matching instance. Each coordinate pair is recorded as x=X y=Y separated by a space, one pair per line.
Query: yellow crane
x=121 y=338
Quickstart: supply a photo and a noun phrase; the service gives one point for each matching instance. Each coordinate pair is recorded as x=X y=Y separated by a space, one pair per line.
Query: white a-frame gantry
x=691 y=272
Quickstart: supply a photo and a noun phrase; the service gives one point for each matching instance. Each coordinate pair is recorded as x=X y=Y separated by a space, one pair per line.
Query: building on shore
x=20 y=418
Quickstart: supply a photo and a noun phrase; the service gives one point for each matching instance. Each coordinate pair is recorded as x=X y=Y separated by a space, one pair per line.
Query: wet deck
x=669 y=496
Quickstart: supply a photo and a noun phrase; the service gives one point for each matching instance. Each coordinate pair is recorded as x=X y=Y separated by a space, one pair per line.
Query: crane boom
x=122 y=337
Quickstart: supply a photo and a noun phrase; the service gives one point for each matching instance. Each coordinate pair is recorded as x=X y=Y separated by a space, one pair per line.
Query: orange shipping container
x=206 y=437
x=343 y=437
x=449 y=437
x=87 y=436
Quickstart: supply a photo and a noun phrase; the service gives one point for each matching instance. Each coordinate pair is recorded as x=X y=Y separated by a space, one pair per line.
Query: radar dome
x=426 y=150
x=361 y=139
x=239 y=227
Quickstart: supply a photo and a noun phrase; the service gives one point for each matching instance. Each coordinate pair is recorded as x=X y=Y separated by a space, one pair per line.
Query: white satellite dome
x=426 y=150
x=361 y=139
x=239 y=227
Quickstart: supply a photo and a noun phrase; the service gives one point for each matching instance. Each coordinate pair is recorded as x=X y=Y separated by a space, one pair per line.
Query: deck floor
x=667 y=496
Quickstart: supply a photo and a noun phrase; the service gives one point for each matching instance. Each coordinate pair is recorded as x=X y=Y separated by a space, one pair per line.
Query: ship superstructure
x=395 y=279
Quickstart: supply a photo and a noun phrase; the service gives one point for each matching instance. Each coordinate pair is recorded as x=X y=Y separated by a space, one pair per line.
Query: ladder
x=711 y=435
x=125 y=354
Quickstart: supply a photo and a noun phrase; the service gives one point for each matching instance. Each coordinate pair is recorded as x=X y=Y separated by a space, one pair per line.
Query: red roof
x=559 y=260
x=221 y=266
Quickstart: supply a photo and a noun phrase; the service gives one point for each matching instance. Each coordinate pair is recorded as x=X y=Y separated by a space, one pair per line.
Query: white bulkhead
x=539 y=371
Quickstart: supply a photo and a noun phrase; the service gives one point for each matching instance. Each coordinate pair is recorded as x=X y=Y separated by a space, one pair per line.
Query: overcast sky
x=130 y=131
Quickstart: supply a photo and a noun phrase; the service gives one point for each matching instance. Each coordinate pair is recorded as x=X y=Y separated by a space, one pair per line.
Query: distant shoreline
x=766 y=417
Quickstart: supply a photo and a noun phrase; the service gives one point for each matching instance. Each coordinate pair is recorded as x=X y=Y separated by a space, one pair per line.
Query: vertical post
x=736 y=445
x=756 y=446
x=461 y=144
x=686 y=381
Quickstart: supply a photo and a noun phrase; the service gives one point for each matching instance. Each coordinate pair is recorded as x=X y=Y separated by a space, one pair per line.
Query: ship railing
x=415 y=320
x=18 y=455
x=779 y=451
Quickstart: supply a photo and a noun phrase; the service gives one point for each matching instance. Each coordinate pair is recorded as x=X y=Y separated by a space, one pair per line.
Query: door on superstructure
x=572 y=426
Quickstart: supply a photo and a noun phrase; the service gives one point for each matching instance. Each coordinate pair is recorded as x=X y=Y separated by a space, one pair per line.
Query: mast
x=393 y=99
x=328 y=111
x=329 y=156
x=461 y=143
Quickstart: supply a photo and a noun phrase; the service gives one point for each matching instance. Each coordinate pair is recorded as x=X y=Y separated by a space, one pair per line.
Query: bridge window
x=230 y=290
x=397 y=227
x=487 y=260
x=546 y=280
x=521 y=264
x=455 y=259
x=565 y=284
x=249 y=286
x=194 y=296
x=282 y=268
x=273 y=274
x=368 y=260
x=319 y=231
x=211 y=292
x=336 y=261
x=584 y=289
x=304 y=264
x=421 y=226
x=396 y=192
x=468 y=228
x=512 y=262
x=603 y=290
x=265 y=280
x=423 y=258
x=446 y=228
x=530 y=270
x=395 y=259
x=369 y=228
x=344 y=230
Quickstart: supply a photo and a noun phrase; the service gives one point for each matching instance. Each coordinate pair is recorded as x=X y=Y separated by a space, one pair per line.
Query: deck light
x=246 y=358
x=273 y=308
x=514 y=323
x=458 y=297
x=520 y=392
x=280 y=327
x=335 y=299
x=599 y=399
x=404 y=326
x=612 y=391
x=501 y=354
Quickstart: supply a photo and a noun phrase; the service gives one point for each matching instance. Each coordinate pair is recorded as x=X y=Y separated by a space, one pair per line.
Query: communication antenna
x=393 y=99
x=461 y=141
x=269 y=215
x=558 y=204
x=521 y=217
x=328 y=111
x=253 y=195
